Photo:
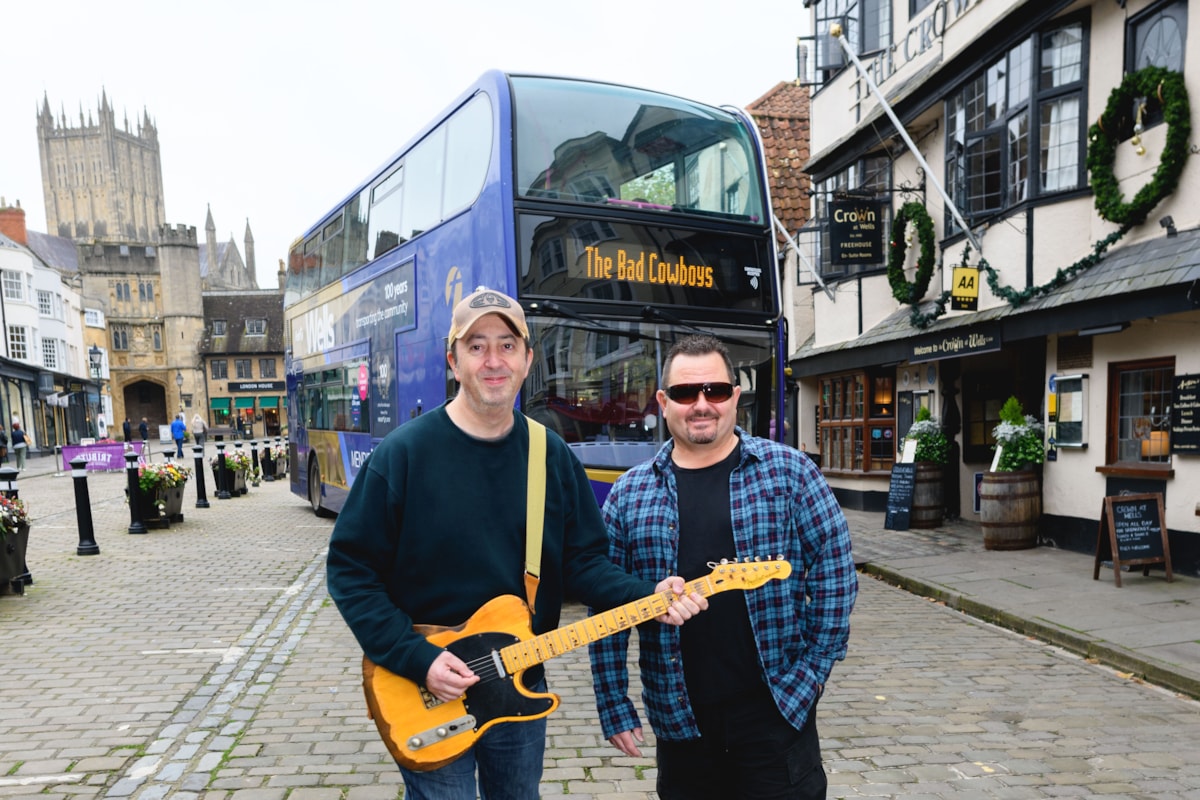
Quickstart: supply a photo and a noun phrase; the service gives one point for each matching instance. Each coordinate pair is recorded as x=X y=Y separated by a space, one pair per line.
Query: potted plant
x=1010 y=498
x=237 y=466
x=14 y=539
x=932 y=453
x=160 y=492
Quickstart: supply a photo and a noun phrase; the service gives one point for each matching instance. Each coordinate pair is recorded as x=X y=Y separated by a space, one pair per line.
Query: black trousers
x=746 y=750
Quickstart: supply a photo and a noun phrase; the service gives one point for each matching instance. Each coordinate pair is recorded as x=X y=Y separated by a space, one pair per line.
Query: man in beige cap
x=434 y=528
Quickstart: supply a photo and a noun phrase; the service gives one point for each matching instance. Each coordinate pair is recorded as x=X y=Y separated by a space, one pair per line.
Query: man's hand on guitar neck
x=448 y=677
x=685 y=606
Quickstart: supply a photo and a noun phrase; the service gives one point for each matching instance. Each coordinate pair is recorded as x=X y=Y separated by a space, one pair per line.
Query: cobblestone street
x=207 y=661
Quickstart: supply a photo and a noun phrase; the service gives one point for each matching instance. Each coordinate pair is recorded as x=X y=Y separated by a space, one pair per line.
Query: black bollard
x=268 y=462
x=254 y=454
x=168 y=454
x=201 y=500
x=135 y=511
x=83 y=509
x=222 y=476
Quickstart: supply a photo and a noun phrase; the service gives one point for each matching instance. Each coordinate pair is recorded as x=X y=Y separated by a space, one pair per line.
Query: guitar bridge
x=442 y=732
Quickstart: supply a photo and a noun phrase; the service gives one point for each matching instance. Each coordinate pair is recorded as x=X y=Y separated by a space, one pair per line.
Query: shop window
x=1139 y=412
x=855 y=434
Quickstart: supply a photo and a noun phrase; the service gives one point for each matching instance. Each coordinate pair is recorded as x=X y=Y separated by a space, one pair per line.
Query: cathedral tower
x=100 y=182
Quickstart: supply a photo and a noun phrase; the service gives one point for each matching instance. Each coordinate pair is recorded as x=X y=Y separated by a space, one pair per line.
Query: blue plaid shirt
x=781 y=507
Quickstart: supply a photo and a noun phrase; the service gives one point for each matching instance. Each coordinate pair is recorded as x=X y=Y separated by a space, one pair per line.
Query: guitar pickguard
x=496 y=695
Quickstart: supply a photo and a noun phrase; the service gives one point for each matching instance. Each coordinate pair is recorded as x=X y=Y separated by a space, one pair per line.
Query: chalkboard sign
x=900 y=497
x=1132 y=531
x=1185 y=415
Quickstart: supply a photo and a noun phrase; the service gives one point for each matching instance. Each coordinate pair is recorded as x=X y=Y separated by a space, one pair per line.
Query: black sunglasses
x=688 y=393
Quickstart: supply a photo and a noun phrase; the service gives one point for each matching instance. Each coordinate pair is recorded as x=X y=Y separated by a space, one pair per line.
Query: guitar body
x=423 y=733
x=499 y=645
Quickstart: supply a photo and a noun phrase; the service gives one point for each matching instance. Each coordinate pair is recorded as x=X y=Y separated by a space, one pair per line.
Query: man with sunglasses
x=731 y=696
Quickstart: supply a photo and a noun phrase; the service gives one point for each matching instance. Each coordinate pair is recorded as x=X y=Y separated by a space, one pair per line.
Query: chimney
x=12 y=223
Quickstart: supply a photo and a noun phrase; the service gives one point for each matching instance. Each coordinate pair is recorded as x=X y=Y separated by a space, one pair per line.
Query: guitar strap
x=535 y=508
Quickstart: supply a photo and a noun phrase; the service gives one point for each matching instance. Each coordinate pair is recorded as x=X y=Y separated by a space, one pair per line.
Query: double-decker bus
x=621 y=219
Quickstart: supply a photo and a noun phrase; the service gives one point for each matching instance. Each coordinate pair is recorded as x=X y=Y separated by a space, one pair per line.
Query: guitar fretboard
x=539 y=649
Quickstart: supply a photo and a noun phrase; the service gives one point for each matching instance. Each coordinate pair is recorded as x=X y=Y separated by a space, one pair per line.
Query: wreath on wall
x=1147 y=86
x=902 y=290
x=1150 y=85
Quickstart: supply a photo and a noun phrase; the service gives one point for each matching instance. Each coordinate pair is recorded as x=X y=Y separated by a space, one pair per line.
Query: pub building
x=1032 y=229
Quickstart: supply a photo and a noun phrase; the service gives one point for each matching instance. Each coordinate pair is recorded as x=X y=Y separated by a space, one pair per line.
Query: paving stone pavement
x=207 y=661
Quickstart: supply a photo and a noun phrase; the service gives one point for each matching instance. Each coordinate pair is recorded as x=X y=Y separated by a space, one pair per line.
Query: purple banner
x=99 y=457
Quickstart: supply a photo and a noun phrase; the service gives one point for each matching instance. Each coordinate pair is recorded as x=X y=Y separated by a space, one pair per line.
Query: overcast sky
x=272 y=111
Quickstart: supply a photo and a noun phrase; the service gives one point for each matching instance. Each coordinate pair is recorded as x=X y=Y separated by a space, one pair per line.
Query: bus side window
x=384 y=222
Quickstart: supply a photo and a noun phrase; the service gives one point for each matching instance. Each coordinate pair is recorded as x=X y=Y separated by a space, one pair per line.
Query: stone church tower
x=100 y=182
x=221 y=265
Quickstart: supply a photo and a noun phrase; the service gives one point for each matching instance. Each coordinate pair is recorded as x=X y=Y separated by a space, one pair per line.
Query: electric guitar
x=498 y=644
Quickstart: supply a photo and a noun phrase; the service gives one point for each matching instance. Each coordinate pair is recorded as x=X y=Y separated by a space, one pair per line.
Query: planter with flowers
x=14 y=539
x=160 y=493
x=932 y=453
x=273 y=462
x=1010 y=498
x=237 y=468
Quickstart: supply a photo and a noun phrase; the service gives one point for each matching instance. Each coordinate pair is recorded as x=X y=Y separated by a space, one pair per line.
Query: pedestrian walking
x=21 y=442
x=199 y=429
x=127 y=430
x=178 y=430
x=144 y=431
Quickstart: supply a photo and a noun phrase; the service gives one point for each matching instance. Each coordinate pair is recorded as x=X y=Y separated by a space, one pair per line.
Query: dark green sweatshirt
x=434 y=527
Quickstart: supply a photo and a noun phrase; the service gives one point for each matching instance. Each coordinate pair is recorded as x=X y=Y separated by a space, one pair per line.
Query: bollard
x=201 y=500
x=222 y=477
x=131 y=476
x=268 y=462
x=83 y=509
x=254 y=453
x=168 y=454
x=8 y=487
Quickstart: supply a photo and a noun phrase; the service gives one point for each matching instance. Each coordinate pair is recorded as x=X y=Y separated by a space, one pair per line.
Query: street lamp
x=95 y=357
x=179 y=386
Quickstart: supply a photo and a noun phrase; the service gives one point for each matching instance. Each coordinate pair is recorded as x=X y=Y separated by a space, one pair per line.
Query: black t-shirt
x=720 y=659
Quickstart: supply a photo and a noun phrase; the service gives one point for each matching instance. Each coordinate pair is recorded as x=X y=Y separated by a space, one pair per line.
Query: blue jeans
x=509 y=761
x=179 y=448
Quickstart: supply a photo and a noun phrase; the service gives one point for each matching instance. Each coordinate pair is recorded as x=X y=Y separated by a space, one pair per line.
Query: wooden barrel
x=1010 y=504
x=927 y=505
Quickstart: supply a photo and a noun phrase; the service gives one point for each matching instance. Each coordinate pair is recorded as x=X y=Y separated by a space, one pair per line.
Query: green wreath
x=1157 y=86
x=902 y=290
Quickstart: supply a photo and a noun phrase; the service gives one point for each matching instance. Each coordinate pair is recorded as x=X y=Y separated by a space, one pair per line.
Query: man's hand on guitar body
x=448 y=677
x=685 y=606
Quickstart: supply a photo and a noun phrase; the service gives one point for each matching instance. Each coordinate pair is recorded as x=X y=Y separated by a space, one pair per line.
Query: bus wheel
x=314 y=489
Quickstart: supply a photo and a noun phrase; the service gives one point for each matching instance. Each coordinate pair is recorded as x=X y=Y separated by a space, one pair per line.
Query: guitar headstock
x=747 y=574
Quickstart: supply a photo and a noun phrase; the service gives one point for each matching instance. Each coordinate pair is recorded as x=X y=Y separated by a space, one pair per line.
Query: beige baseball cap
x=479 y=303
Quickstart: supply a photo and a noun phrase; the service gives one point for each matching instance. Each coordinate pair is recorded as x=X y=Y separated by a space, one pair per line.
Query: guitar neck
x=539 y=649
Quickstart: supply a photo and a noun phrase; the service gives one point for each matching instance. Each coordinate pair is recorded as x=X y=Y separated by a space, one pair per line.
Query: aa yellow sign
x=965 y=294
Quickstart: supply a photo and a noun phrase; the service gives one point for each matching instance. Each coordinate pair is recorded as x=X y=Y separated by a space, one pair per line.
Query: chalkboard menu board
x=1132 y=531
x=900 y=497
x=1185 y=415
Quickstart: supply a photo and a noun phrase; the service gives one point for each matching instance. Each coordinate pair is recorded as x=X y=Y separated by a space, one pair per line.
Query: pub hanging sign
x=856 y=231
